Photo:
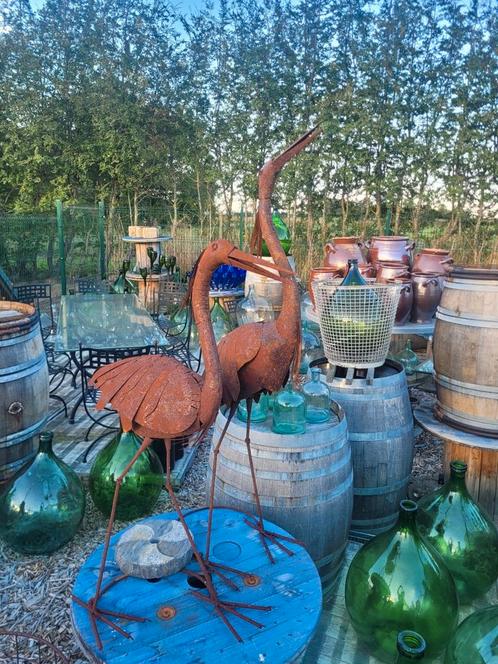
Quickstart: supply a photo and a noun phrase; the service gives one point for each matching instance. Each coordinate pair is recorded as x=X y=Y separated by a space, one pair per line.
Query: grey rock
x=153 y=549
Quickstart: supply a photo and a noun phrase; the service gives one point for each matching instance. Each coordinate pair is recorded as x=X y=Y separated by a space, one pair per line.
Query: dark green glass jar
x=140 y=488
x=397 y=582
x=462 y=533
x=283 y=234
x=476 y=639
x=42 y=506
x=411 y=647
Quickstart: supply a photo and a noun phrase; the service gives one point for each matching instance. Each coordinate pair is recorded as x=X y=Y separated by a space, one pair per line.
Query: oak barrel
x=305 y=482
x=466 y=351
x=380 y=425
x=23 y=385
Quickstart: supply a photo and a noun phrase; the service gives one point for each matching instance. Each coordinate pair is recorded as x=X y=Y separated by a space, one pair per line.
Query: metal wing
x=235 y=350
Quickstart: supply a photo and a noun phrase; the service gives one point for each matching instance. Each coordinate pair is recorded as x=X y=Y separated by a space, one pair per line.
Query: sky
x=189 y=5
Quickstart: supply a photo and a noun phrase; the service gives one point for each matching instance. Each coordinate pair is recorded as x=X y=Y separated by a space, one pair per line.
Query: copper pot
x=391 y=270
x=427 y=292
x=319 y=274
x=341 y=249
x=432 y=261
x=390 y=248
x=405 y=303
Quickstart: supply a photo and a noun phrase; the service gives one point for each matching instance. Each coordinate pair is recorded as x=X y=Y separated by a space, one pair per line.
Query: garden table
x=104 y=321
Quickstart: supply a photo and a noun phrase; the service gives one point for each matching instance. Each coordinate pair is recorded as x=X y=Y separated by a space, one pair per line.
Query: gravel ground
x=35 y=590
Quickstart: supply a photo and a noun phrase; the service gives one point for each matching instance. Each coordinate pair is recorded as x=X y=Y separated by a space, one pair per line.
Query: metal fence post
x=101 y=223
x=241 y=229
x=62 y=248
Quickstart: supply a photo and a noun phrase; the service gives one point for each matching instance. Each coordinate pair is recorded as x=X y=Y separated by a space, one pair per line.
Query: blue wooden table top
x=195 y=634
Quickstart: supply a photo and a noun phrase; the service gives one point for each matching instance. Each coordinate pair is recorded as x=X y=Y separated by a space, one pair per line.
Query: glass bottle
x=141 y=486
x=253 y=309
x=122 y=284
x=462 y=533
x=408 y=358
x=42 y=506
x=476 y=639
x=289 y=411
x=317 y=397
x=411 y=646
x=259 y=410
x=353 y=276
x=220 y=321
x=310 y=347
x=283 y=234
x=397 y=582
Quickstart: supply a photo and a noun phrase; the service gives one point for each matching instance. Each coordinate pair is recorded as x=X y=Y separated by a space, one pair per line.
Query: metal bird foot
x=105 y=615
x=273 y=538
x=221 y=572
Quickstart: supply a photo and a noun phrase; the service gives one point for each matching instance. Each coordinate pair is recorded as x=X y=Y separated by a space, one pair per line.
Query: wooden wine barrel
x=304 y=481
x=466 y=351
x=268 y=288
x=23 y=385
x=380 y=425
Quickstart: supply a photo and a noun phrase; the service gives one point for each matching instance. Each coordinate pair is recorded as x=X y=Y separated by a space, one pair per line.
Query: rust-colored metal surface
x=158 y=397
x=259 y=357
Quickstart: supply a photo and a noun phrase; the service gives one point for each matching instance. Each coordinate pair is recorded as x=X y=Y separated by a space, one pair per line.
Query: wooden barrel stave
x=306 y=487
x=466 y=351
x=380 y=426
x=24 y=387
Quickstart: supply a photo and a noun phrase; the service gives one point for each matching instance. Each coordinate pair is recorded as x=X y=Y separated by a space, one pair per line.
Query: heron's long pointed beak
x=257 y=265
x=306 y=138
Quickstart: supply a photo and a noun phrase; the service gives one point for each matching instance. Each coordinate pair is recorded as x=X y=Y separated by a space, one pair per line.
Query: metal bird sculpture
x=158 y=397
x=258 y=357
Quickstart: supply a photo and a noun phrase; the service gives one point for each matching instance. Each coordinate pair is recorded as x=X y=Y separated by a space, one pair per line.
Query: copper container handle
x=447 y=261
x=410 y=247
x=405 y=288
x=330 y=248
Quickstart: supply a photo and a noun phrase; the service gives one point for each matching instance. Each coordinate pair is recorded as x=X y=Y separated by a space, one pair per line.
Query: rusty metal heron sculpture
x=258 y=357
x=158 y=397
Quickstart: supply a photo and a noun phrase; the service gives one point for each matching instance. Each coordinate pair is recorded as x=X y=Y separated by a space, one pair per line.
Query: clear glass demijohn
x=220 y=321
x=289 y=411
x=259 y=410
x=317 y=398
x=253 y=309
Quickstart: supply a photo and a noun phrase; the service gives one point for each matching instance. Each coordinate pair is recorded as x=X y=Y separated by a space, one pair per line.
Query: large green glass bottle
x=42 y=506
x=283 y=234
x=141 y=486
x=397 y=582
x=259 y=409
x=462 y=533
x=476 y=639
x=411 y=647
x=220 y=321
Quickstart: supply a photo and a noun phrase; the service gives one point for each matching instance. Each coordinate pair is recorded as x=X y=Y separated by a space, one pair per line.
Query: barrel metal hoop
x=448 y=316
x=481 y=391
x=304 y=501
x=376 y=436
x=465 y=418
x=488 y=286
x=381 y=490
x=21 y=435
x=381 y=521
x=284 y=476
x=21 y=338
x=21 y=370
x=8 y=469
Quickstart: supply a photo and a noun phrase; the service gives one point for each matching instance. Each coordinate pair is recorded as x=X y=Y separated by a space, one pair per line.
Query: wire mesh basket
x=356 y=321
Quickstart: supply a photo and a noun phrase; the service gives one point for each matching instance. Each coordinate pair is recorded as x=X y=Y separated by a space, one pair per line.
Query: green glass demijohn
x=220 y=321
x=317 y=397
x=289 y=411
x=476 y=639
x=411 y=647
x=408 y=358
x=259 y=410
x=283 y=234
x=397 y=582
x=141 y=486
x=42 y=506
x=462 y=533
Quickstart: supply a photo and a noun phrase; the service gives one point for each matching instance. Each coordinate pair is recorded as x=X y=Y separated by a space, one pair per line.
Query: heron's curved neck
x=212 y=385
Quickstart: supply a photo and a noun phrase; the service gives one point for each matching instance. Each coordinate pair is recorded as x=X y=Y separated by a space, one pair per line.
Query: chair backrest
x=171 y=295
x=91 y=285
x=34 y=294
x=91 y=359
x=231 y=309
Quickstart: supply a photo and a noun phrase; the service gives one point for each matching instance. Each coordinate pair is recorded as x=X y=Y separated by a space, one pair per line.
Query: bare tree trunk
x=344 y=211
x=378 y=211
x=397 y=215
x=199 y=199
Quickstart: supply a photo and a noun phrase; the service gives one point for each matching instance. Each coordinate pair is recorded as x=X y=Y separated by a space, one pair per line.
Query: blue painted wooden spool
x=291 y=587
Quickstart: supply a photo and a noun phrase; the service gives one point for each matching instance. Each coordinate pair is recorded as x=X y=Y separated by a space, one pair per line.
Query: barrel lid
x=16 y=317
x=475 y=272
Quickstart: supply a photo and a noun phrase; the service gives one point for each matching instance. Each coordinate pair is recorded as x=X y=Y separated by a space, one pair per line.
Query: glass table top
x=102 y=320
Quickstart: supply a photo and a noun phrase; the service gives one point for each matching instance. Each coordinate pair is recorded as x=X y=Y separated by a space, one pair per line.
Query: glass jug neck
x=315 y=374
x=411 y=646
x=46 y=438
x=457 y=475
x=407 y=513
